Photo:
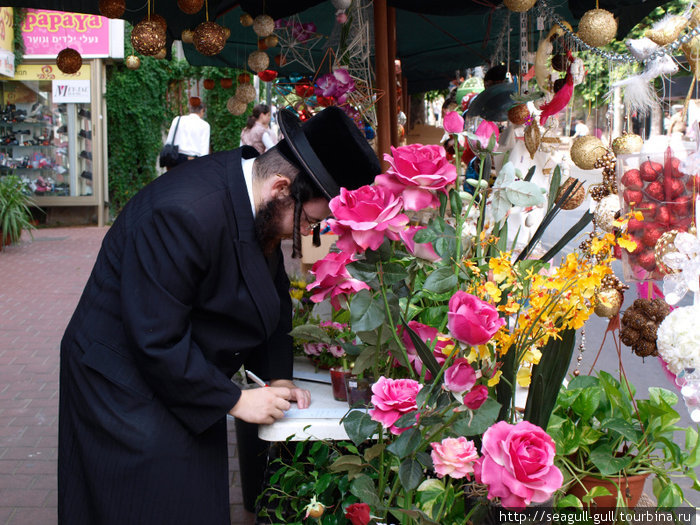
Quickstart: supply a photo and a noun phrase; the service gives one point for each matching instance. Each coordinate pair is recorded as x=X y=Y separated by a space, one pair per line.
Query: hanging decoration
x=271 y=41
x=597 y=27
x=258 y=61
x=518 y=114
x=667 y=29
x=245 y=93
x=627 y=143
x=246 y=20
x=190 y=7
x=112 y=8
x=187 y=36
x=243 y=78
x=236 y=106
x=297 y=40
x=586 y=150
x=69 y=61
x=209 y=38
x=147 y=38
x=519 y=6
x=532 y=137
x=160 y=22
x=263 y=25
x=132 y=62
x=267 y=75
x=341 y=6
x=161 y=54
x=208 y=83
x=576 y=197
x=226 y=83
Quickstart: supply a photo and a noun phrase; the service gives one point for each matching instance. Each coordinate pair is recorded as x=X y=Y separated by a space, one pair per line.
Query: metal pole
x=381 y=60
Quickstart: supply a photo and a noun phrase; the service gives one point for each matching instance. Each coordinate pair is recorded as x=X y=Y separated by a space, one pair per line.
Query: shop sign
x=76 y=91
x=46 y=33
x=28 y=72
x=7 y=35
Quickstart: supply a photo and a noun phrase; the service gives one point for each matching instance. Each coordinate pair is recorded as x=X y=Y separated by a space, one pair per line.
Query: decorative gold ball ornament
x=160 y=55
x=518 y=114
x=133 y=62
x=606 y=211
x=112 y=8
x=519 y=6
x=586 y=150
x=608 y=302
x=246 y=20
x=209 y=38
x=69 y=61
x=245 y=93
x=532 y=138
x=670 y=32
x=694 y=20
x=258 y=61
x=147 y=38
x=575 y=198
x=663 y=246
x=227 y=32
x=627 y=143
x=597 y=27
x=691 y=50
x=187 y=36
x=271 y=41
x=162 y=24
x=236 y=106
x=190 y=6
x=263 y=25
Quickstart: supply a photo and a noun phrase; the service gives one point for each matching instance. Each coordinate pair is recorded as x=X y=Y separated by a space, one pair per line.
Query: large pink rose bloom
x=392 y=398
x=423 y=250
x=454 y=457
x=428 y=335
x=518 y=464
x=363 y=217
x=416 y=173
x=472 y=320
x=333 y=279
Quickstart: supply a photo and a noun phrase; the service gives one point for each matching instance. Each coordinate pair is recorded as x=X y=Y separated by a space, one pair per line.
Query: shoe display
x=84 y=113
x=85 y=133
x=86 y=155
x=63 y=129
x=86 y=175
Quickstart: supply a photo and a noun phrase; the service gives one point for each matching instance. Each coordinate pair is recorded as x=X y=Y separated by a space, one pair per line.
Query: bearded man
x=188 y=286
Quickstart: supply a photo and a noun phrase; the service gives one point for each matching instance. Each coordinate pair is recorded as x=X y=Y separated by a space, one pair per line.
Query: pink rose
x=336 y=350
x=333 y=279
x=472 y=320
x=357 y=513
x=518 y=464
x=416 y=173
x=476 y=397
x=422 y=250
x=460 y=376
x=454 y=457
x=314 y=348
x=363 y=217
x=427 y=334
x=453 y=122
x=484 y=132
x=392 y=398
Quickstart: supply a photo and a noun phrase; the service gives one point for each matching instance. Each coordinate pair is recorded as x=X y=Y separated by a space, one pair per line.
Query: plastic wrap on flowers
x=655 y=186
x=689 y=382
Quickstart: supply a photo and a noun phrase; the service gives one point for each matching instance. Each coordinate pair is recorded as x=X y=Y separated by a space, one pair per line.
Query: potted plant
x=15 y=215
x=608 y=440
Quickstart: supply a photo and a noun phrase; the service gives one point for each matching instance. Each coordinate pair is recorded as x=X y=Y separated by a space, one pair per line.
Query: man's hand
x=262 y=405
x=301 y=396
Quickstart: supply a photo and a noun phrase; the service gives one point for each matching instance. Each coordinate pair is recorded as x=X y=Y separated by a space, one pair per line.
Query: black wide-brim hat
x=331 y=149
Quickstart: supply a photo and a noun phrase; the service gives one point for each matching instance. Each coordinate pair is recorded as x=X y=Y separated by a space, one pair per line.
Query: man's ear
x=280 y=186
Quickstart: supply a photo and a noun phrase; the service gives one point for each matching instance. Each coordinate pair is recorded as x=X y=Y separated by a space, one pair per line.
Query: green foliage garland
x=18 y=15
x=225 y=127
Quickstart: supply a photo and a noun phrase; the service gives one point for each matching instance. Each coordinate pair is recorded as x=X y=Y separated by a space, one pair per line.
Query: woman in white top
x=257 y=132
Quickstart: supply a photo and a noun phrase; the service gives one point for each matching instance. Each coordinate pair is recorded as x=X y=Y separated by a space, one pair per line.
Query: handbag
x=170 y=153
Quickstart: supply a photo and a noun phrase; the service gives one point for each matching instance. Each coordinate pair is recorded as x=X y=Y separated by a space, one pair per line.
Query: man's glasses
x=311 y=223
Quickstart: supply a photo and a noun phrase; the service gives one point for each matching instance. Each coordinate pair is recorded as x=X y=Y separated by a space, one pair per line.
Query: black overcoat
x=180 y=297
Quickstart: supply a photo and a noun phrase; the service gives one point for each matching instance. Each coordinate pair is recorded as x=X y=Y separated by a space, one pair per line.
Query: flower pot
x=631 y=488
x=338 y=376
x=359 y=391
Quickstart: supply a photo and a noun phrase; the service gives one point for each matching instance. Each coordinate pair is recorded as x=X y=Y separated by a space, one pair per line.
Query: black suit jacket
x=180 y=297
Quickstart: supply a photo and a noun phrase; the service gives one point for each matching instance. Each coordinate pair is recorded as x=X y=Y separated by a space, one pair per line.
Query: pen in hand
x=256 y=379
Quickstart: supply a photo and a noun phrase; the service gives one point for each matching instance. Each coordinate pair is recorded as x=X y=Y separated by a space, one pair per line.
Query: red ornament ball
x=651 y=235
x=190 y=6
x=663 y=215
x=655 y=190
x=208 y=83
x=648 y=209
x=243 y=78
x=226 y=83
x=632 y=180
x=69 y=61
x=673 y=188
x=112 y=8
x=681 y=205
x=647 y=260
x=209 y=38
x=632 y=197
x=635 y=225
x=650 y=170
x=267 y=75
x=147 y=38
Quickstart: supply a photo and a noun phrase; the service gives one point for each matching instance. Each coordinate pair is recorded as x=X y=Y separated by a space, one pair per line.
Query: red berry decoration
x=650 y=170
x=632 y=179
x=673 y=168
x=632 y=197
x=304 y=90
x=655 y=190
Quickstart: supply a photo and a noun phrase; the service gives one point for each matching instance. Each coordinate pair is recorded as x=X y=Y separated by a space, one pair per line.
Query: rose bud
x=632 y=197
x=650 y=171
x=632 y=180
x=655 y=190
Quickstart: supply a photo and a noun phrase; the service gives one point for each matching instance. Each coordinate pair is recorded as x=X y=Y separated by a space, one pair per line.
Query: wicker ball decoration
x=586 y=150
x=575 y=198
x=160 y=55
x=627 y=143
x=236 y=106
x=162 y=24
x=190 y=6
x=132 y=62
x=209 y=38
x=519 y=6
x=518 y=114
x=112 y=8
x=187 y=36
x=263 y=25
x=246 y=20
x=147 y=38
x=69 y=61
x=245 y=93
x=608 y=302
x=663 y=246
x=597 y=27
x=606 y=212
x=258 y=61
x=532 y=138
x=671 y=31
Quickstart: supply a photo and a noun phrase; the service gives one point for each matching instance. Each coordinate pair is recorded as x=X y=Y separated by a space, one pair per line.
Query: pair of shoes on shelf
x=86 y=155
x=84 y=113
x=86 y=175
x=63 y=129
x=85 y=133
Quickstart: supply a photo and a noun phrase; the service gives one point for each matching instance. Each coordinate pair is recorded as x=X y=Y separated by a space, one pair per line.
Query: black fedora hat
x=331 y=149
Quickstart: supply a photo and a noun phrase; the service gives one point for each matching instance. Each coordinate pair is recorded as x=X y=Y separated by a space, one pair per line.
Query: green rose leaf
x=363 y=487
x=346 y=463
x=481 y=419
x=410 y=473
x=407 y=443
x=363 y=271
x=441 y=280
x=359 y=426
x=310 y=332
x=365 y=360
x=366 y=311
x=393 y=273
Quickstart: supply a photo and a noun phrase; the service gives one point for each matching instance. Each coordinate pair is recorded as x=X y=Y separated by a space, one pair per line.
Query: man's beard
x=268 y=221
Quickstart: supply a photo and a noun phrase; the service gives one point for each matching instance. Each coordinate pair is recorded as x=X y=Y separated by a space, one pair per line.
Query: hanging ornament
x=195 y=102
x=209 y=38
x=694 y=20
x=132 y=62
x=159 y=20
x=258 y=61
x=263 y=25
x=112 y=8
x=586 y=150
x=147 y=38
x=666 y=30
x=597 y=27
x=608 y=302
x=246 y=20
x=190 y=6
x=245 y=93
x=280 y=60
x=227 y=32
x=268 y=75
x=519 y=6
x=341 y=4
x=606 y=212
x=226 y=83
x=271 y=41
x=627 y=143
x=664 y=246
x=69 y=61
x=160 y=55
x=236 y=106
x=187 y=35
x=640 y=323
x=208 y=83
x=532 y=138
x=691 y=50
x=262 y=45
x=575 y=198
x=518 y=114
x=243 y=78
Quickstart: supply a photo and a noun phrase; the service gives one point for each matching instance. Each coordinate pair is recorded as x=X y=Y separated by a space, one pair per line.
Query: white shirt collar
x=247 y=165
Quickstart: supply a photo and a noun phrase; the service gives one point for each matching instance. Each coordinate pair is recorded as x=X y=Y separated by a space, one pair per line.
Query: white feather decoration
x=639 y=93
x=641 y=48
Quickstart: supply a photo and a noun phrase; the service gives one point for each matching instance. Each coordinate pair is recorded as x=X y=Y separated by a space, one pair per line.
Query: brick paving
x=40 y=284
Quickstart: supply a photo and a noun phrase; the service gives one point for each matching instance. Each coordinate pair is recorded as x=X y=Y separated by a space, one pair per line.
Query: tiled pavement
x=40 y=284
